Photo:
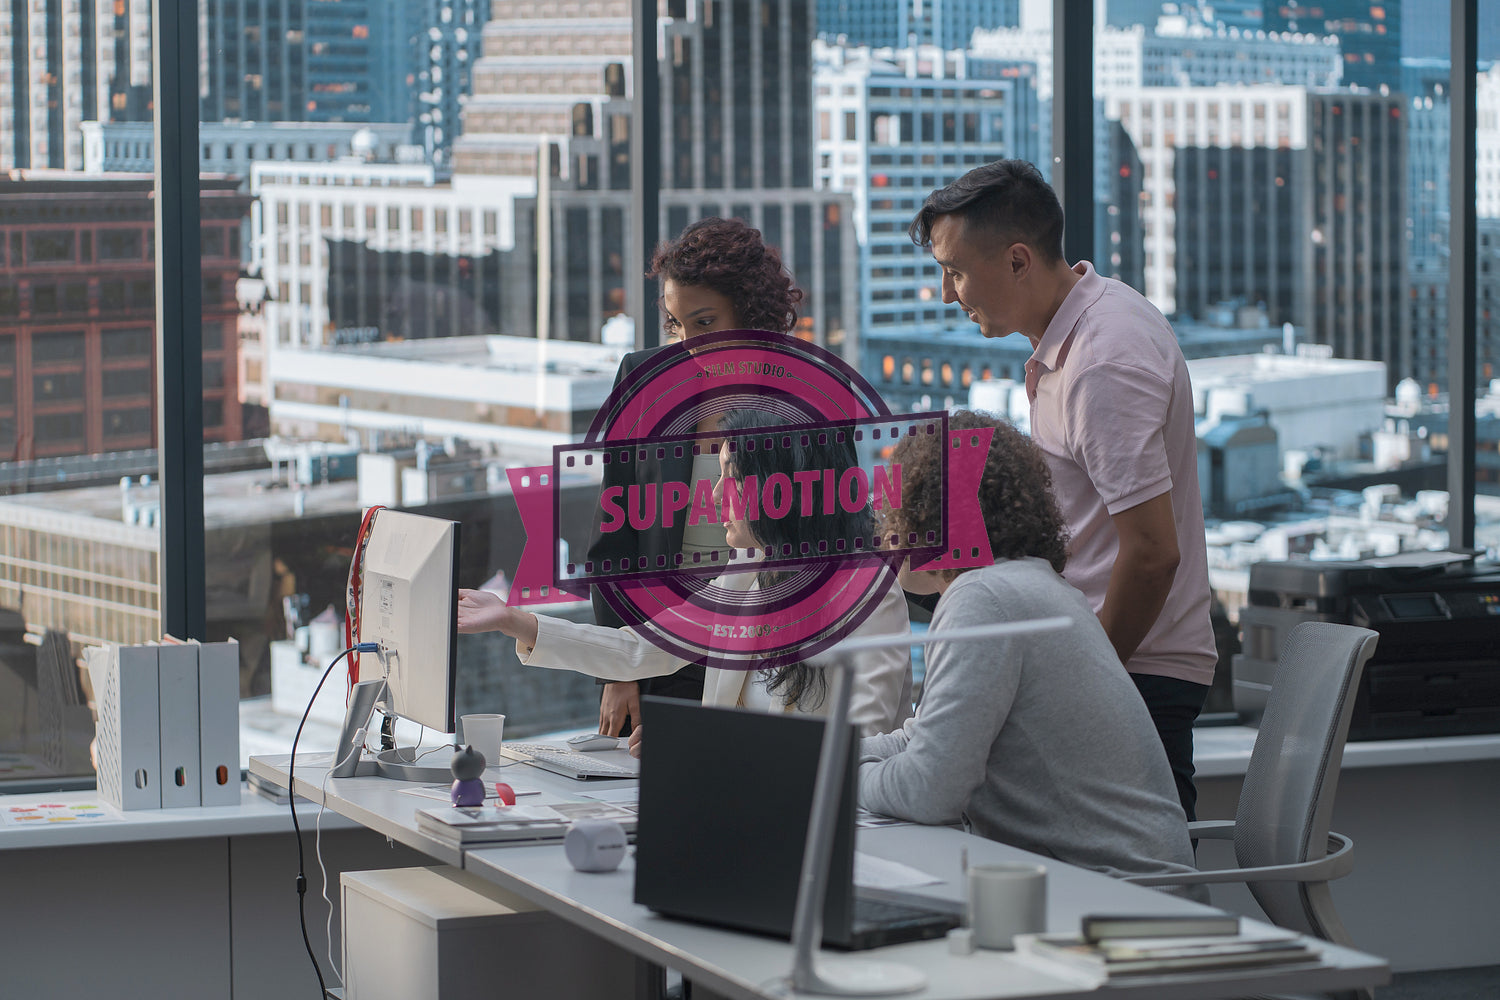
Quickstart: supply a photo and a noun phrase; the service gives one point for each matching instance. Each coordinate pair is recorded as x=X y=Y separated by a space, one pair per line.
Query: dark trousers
x=1174 y=704
x=686 y=684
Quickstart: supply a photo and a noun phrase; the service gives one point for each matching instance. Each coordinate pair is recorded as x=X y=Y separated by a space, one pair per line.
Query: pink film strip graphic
x=748 y=605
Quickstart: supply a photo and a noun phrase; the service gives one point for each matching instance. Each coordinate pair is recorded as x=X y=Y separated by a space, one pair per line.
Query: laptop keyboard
x=570 y=763
x=879 y=913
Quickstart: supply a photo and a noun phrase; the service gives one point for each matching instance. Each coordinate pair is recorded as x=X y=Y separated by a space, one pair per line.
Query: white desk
x=744 y=966
x=1424 y=816
x=172 y=902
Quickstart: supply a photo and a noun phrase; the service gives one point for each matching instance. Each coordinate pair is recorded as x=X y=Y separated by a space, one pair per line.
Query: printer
x=1436 y=668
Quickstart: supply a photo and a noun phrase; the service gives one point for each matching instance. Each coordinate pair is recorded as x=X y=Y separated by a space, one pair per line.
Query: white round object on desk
x=595 y=845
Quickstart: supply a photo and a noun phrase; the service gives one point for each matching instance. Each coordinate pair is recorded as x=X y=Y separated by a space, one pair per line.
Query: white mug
x=484 y=733
x=1005 y=900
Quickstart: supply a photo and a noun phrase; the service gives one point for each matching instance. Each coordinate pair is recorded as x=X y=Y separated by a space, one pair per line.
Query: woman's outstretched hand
x=482 y=611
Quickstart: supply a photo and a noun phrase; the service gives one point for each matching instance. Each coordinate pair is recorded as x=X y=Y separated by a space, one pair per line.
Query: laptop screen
x=725 y=799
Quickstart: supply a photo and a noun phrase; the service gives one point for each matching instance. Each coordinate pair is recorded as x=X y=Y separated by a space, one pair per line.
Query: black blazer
x=655 y=543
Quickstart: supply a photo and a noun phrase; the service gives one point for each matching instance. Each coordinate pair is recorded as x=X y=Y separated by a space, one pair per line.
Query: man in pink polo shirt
x=1112 y=410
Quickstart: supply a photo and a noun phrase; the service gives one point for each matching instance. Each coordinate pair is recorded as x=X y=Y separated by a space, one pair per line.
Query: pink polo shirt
x=1112 y=409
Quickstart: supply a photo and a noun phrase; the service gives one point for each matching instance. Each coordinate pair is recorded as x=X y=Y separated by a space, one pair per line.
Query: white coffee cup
x=484 y=732
x=1005 y=900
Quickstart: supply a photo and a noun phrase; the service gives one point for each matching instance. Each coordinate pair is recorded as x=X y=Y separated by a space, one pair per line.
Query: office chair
x=1286 y=853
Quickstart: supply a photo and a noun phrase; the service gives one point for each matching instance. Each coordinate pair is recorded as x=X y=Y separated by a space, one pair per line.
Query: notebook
x=572 y=763
x=725 y=798
x=492 y=824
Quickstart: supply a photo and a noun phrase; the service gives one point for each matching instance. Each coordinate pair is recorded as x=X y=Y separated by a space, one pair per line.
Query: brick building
x=78 y=313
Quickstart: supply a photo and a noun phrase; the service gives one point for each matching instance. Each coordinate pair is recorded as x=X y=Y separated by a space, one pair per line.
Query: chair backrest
x=1286 y=802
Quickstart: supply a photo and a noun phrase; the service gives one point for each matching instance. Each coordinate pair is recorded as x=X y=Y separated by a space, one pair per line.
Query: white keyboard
x=569 y=763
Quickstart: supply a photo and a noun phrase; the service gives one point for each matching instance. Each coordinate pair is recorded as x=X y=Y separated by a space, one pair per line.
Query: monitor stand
x=401 y=764
x=414 y=764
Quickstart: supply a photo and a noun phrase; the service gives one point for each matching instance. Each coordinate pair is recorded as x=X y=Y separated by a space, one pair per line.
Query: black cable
x=361 y=647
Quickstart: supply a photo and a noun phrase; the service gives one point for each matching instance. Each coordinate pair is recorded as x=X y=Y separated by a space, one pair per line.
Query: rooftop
x=1252 y=369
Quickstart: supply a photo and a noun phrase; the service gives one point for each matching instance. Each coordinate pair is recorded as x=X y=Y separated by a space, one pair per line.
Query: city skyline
x=1335 y=232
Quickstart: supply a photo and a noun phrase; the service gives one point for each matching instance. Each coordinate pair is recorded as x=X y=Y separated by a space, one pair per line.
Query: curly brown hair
x=732 y=259
x=1015 y=492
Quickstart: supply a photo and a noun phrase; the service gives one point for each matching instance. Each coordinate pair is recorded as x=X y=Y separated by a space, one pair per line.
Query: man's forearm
x=1138 y=590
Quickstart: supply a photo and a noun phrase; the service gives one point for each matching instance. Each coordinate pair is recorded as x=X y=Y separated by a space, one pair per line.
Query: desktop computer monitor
x=409 y=606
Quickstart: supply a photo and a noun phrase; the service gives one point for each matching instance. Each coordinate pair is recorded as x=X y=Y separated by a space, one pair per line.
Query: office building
x=899 y=24
x=1425 y=84
x=60 y=63
x=1369 y=34
x=936 y=369
x=231 y=147
x=101 y=547
x=995 y=377
x=1429 y=116
x=1246 y=15
x=101 y=581
x=365 y=61
x=512 y=395
x=353 y=250
x=1312 y=400
x=1427 y=362
x=78 y=313
x=1239 y=467
x=1487 y=143
x=307 y=60
x=736 y=141
x=892 y=125
x=1318 y=182
x=446 y=42
x=1173 y=52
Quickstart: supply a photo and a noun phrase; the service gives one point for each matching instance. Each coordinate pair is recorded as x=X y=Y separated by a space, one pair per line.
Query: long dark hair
x=792 y=452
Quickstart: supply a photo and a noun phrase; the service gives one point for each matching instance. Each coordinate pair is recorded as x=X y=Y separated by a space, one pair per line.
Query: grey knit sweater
x=1041 y=741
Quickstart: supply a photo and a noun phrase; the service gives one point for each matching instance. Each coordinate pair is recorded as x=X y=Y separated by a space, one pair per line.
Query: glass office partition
x=78 y=541
x=1486 y=442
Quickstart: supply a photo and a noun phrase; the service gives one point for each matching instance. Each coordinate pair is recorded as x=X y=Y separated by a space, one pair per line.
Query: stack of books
x=528 y=824
x=267 y=789
x=1104 y=956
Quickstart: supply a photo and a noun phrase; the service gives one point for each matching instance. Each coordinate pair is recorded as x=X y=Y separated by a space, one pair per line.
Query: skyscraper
x=78 y=313
x=308 y=60
x=892 y=124
x=947 y=24
x=1369 y=34
x=736 y=132
x=444 y=47
x=1425 y=84
x=1285 y=196
x=59 y=59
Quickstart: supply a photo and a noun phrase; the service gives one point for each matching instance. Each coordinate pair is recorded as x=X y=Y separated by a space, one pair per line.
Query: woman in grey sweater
x=1041 y=741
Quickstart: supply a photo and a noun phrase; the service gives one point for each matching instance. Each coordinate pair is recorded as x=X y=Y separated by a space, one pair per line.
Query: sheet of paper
x=871 y=872
x=619 y=796
x=443 y=793
x=43 y=813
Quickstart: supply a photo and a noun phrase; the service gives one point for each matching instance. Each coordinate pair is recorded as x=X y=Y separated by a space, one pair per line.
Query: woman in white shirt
x=881 y=696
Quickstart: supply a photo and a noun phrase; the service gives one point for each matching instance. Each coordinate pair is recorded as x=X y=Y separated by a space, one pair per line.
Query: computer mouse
x=594 y=741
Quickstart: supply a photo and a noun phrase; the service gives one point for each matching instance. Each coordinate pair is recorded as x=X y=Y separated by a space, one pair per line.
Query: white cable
x=355 y=746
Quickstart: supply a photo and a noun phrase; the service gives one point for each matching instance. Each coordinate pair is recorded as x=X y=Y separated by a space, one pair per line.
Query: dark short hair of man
x=1005 y=201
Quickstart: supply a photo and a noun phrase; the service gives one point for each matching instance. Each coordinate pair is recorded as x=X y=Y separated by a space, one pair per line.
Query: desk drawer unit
x=445 y=934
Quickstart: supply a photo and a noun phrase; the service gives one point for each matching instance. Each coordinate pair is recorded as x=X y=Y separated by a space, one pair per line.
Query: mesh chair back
x=1286 y=802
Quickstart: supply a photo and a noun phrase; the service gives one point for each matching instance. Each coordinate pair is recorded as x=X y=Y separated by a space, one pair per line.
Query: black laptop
x=725 y=799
